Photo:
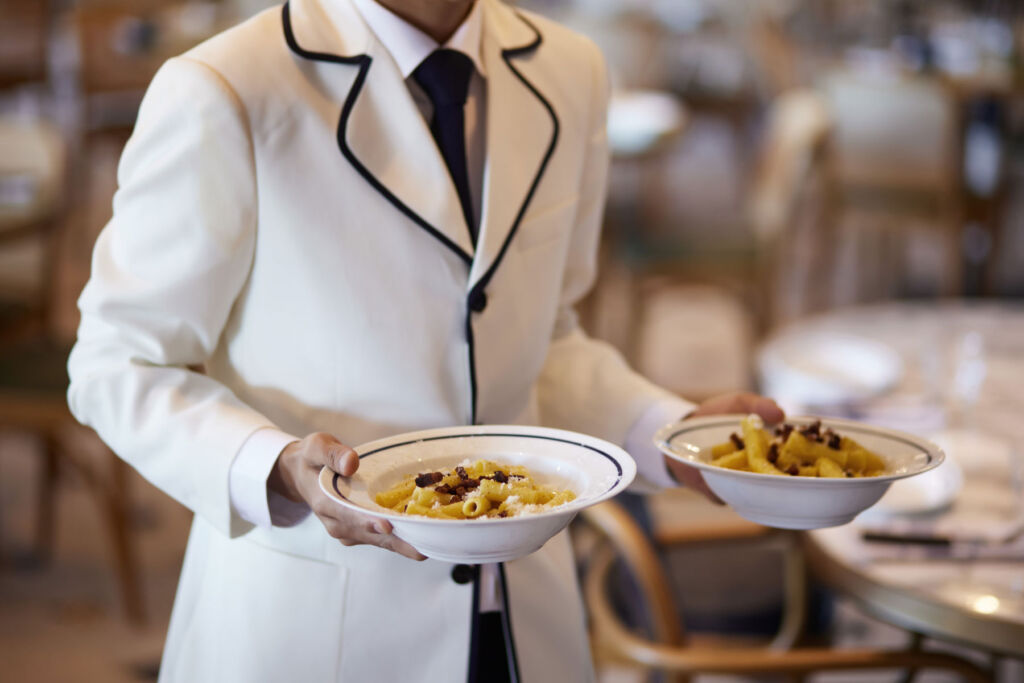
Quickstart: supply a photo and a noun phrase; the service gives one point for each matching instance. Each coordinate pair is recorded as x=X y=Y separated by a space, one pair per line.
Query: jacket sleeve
x=166 y=271
x=585 y=384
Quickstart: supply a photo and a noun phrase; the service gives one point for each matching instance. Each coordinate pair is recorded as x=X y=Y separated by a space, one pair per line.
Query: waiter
x=338 y=221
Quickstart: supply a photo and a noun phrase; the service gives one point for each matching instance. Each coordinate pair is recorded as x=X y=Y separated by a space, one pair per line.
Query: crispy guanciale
x=428 y=478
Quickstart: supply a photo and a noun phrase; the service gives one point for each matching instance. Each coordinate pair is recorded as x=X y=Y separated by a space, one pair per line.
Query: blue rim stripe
x=618 y=467
x=846 y=428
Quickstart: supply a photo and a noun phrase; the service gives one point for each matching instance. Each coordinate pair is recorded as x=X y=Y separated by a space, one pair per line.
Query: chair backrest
x=33 y=162
x=117 y=43
x=629 y=544
x=24 y=36
x=892 y=131
x=775 y=54
x=797 y=128
x=121 y=45
x=633 y=547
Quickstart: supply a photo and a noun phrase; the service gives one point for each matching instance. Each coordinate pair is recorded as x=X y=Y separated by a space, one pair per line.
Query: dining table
x=950 y=564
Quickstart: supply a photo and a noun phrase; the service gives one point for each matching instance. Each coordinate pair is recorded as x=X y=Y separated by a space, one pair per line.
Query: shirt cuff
x=650 y=462
x=247 y=481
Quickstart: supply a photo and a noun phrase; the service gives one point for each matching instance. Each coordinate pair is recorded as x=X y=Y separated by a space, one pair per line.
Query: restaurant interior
x=818 y=200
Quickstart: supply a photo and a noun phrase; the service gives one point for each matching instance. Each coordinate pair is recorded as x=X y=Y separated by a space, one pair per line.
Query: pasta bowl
x=594 y=470
x=796 y=502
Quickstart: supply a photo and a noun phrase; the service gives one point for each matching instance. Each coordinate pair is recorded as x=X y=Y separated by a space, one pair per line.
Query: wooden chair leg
x=46 y=500
x=117 y=512
x=111 y=494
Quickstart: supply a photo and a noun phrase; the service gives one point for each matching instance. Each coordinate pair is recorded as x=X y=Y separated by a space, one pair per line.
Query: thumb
x=341 y=458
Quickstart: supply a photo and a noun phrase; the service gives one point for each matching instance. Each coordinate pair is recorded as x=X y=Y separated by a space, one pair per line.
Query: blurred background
x=816 y=199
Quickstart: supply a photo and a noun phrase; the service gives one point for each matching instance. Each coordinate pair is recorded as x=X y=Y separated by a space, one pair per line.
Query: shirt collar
x=409 y=46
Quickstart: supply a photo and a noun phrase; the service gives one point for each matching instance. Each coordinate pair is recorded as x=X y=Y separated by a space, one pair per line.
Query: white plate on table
x=791 y=502
x=827 y=368
x=934 y=490
x=639 y=120
x=593 y=469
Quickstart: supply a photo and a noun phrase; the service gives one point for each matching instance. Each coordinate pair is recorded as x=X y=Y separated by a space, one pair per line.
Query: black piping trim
x=506 y=616
x=293 y=45
x=363 y=61
x=478 y=289
x=471 y=351
x=618 y=467
x=474 y=630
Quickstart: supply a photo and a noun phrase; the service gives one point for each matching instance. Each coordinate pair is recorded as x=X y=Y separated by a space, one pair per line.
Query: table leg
x=916 y=640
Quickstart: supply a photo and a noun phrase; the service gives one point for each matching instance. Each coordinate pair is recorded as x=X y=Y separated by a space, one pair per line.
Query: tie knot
x=444 y=76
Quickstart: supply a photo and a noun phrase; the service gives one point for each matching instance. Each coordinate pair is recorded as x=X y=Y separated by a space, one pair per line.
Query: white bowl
x=826 y=368
x=593 y=469
x=789 y=502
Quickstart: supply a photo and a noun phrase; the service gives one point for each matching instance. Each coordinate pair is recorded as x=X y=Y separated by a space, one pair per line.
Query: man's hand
x=742 y=403
x=295 y=476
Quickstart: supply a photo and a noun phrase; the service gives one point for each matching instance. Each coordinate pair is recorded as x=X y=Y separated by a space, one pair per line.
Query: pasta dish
x=808 y=451
x=472 y=490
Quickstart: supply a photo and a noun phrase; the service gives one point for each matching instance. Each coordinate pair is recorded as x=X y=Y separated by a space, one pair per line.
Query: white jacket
x=285 y=221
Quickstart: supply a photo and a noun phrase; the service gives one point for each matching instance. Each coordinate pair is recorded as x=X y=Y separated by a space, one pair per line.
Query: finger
x=741 y=403
x=345 y=529
x=702 y=487
x=395 y=544
x=351 y=528
x=722 y=405
x=368 y=531
x=709 y=407
x=768 y=409
x=691 y=478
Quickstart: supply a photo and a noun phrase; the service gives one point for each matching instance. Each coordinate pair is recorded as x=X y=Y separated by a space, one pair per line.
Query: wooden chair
x=33 y=385
x=33 y=361
x=33 y=164
x=120 y=48
x=895 y=164
x=669 y=649
x=788 y=180
x=24 y=34
x=121 y=45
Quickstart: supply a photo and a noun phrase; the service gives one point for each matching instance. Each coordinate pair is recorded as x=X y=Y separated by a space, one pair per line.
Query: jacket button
x=462 y=573
x=477 y=301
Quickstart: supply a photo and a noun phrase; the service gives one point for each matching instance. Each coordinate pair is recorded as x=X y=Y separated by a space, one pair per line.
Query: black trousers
x=488 y=662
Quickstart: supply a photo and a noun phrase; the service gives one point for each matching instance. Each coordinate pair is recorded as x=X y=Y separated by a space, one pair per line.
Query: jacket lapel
x=332 y=59
x=383 y=135
x=390 y=138
x=380 y=131
x=522 y=130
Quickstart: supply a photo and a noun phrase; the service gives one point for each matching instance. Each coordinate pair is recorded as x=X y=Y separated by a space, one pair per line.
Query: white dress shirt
x=408 y=47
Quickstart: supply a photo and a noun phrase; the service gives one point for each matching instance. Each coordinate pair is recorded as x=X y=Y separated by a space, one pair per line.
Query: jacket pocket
x=261 y=616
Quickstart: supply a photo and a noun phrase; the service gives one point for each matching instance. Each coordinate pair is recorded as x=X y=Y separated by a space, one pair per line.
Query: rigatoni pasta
x=482 y=489
x=808 y=451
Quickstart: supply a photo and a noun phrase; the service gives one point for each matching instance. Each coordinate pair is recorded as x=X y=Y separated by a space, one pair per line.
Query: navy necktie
x=444 y=77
